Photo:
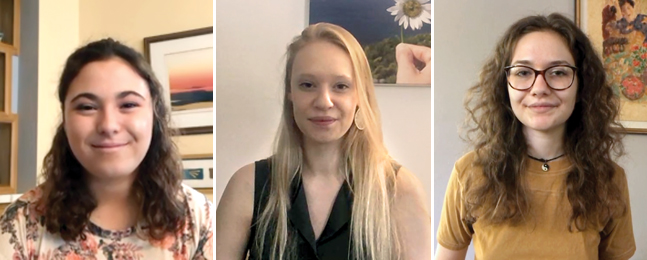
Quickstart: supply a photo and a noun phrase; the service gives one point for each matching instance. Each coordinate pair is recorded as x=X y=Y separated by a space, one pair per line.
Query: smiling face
x=541 y=108
x=108 y=118
x=322 y=92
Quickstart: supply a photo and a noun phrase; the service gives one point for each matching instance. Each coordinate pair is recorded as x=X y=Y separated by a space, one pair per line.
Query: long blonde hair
x=373 y=231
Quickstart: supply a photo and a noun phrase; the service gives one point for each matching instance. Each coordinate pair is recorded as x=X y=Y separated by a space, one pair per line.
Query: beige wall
x=131 y=21
x=54 y=45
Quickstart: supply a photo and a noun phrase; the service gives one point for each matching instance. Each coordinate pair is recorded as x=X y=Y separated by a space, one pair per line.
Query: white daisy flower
x=411 y=13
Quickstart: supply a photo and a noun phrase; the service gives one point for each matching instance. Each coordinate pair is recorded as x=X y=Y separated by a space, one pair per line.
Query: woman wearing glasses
x=540 y=182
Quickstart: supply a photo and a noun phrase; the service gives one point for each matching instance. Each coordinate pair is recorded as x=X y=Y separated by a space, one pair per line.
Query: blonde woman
x=330 y=190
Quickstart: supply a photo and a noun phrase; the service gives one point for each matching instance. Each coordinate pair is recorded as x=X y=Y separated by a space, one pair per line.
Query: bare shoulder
x=243 y=177
x=234 y=214
x=412 y=216
x=237 y=201
x=409 y=189
x=240 y=188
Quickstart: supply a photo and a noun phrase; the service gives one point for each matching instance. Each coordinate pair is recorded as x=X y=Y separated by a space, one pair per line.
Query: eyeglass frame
x=537 y=73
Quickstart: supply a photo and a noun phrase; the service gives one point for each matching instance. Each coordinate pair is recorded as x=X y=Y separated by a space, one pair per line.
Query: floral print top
x=22 y=237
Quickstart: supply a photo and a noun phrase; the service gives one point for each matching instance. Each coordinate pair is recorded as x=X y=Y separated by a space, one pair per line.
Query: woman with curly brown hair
x=541 y=182
x=112 y=186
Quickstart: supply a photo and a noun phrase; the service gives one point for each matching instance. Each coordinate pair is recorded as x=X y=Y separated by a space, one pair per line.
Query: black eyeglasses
x=558 y=77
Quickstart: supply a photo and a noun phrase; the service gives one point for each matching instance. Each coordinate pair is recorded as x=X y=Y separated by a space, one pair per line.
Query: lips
x=322 y=120
x=542 y=106
x=108 y=145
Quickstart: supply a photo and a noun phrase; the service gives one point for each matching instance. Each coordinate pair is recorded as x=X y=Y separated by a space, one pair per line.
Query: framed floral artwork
x=618 y=31
x=197 y=171
x=183 y=63
x=381 y=25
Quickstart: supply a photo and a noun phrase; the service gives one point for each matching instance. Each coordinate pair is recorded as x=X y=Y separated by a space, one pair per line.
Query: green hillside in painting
x=381 y=56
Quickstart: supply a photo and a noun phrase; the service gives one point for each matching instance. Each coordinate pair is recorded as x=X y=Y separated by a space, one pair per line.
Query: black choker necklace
x=545 y=166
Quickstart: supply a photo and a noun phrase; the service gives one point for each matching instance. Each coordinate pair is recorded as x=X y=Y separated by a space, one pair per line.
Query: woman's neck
x=545 y=144
x=112 y=190
x=322 y=159
x=117 y=206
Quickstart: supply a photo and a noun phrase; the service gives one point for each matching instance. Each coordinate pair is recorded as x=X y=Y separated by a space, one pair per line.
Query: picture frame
x=183 y=63
x=379 y=33
x=623 y=50
x=198 y=171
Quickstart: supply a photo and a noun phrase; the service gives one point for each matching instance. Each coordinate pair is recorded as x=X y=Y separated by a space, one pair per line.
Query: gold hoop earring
x=358 y=122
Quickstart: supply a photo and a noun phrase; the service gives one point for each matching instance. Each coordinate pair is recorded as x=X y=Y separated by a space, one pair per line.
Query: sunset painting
x=191 y=79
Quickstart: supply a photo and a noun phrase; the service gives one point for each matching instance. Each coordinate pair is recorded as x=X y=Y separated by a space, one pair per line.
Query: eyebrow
x=311 y=76
x=95 y=98
x=557 y=62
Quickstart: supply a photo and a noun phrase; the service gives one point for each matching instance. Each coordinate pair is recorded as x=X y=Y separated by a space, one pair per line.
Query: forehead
x=322 y=58
x=541 y=48
x=106 y=77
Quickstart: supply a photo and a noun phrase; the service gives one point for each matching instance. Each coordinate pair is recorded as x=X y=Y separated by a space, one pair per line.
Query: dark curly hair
x=591 y=135
x=67 y=201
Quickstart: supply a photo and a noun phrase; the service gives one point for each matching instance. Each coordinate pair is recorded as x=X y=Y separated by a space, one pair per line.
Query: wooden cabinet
x=10 y=24
x=9 y=47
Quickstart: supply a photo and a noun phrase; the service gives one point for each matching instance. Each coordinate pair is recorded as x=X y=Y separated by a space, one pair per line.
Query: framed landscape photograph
x=618 y=31
x=183 y=63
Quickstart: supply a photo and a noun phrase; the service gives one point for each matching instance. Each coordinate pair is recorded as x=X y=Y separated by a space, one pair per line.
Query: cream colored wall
x=131 y=21
x=58 y=33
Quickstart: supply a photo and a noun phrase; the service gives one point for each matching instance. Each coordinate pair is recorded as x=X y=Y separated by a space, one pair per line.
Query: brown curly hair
x=591 y=135
x=67 y=201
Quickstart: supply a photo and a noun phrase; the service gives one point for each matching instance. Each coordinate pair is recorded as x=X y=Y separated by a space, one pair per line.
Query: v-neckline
x=299 y=215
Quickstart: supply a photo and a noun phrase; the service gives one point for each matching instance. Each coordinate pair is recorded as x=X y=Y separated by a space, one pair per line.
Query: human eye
x=560 y=72
x=85 y=107
x=306 y=85
x=129 y=105
x=342 y=86
x=521 y=72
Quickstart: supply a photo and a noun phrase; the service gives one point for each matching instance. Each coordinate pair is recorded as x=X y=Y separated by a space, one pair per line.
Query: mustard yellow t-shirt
x=545 y=235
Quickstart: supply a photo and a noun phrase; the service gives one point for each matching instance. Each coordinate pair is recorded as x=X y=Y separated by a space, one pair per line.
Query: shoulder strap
x=262 y=172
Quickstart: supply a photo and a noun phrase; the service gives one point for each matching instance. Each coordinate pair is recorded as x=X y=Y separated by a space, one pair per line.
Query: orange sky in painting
x=191 y=70
x=198 y=80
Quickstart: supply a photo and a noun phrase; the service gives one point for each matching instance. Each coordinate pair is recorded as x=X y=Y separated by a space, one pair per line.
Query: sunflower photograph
x=380 y=26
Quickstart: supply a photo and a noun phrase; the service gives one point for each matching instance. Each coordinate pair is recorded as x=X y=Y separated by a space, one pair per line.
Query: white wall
x=249 y=67
x=465 y=33
x=249 y=54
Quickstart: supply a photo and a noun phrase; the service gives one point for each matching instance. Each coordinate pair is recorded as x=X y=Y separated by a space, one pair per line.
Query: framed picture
x=379 y=26
x=198 y=171
x=618 y=31
x=183 y=63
